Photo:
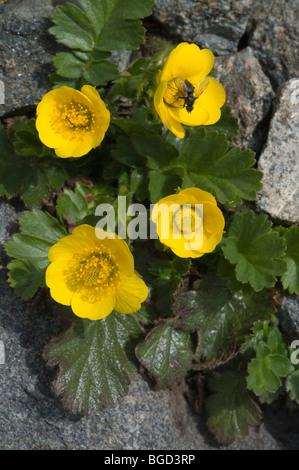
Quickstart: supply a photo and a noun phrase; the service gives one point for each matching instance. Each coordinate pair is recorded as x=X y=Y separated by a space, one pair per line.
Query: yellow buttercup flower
x=94 y=276
x=185 y=95
x=190 y=223
x=71 y=121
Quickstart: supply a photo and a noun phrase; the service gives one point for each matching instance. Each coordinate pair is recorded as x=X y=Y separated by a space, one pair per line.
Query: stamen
x=95 y=270
x=72 y=116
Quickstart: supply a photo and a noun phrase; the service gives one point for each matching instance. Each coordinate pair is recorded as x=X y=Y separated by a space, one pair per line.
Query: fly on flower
x=182 y=94
x=185 y=94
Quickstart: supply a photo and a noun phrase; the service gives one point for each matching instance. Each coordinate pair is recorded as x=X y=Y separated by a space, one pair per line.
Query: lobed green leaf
x=38 y=232
x=293 y=385
x=29 y=176
x=271 y=361
x=255 y=249
x=222 y=318
x=230 y=409
x=209 y=165
x=96 y=361
x=90 y=33
x=290 y=278
x=166 y=353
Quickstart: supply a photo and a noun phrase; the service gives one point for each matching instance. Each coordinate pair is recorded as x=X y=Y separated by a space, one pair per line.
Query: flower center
x=187 y=219
x=76 y=115
x=72 y=116
x=97 y=270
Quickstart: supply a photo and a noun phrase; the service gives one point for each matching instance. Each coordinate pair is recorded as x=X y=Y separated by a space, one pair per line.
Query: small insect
x=182 y=94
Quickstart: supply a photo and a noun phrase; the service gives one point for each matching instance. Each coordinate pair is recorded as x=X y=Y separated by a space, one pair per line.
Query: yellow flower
x=190 y=223
x=94 y=276
x=71 y=121
x=185 y=95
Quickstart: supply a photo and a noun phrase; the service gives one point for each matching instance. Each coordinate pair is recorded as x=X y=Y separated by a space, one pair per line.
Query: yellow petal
x=213 y=219
x=56 y=281
x=102 y=119
x=130 y=293
x=70 y=245
x=197 y=117
x=75 y=148
x=183 y=253
x=93 y=310
x=197 y=196
x=213 y=97
x=163 y=111
x=188 y=61
x=210 y=241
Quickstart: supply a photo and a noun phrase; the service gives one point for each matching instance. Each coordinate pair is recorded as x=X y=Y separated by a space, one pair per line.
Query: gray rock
x=249 y=94
x=288 y=311
x=274 y=34
x=26 y=51
x=280 y=158
x=215 y=24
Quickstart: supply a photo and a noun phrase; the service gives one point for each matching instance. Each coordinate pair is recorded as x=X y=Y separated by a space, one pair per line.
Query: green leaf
x=222 y=318
x=73 y=28
x=38 y=232
x=99 y=27
x=293 y=385
x=166 y=353
x=73 y=204
x=100 y=73
x=208 y=165
x=168 y=277
x=271 y=362
x=262 y=331
x=255 y=249
x=125 y=153
x=29 y=176
x=160 y=152
x=25 y=277
x=68 y=65
x=265 y=371
x=290 y=279
x=79 y=204
x=121 y=17
x=139 y=184
x=230 y=409
x=96 y=361
x=27 y=141
x=161 y=184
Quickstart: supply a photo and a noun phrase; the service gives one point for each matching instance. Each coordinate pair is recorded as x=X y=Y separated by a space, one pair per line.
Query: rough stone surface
x=280 y=158
x=274 y=34
x=26 y=51
x=289 y=316
x=215 y=24
x=249 y=94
